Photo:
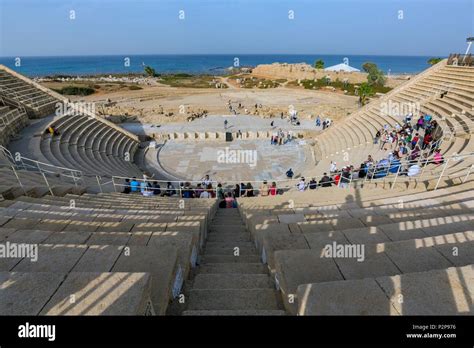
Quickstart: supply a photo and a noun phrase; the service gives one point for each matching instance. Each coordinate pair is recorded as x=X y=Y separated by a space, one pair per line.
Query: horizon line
x=220 y=54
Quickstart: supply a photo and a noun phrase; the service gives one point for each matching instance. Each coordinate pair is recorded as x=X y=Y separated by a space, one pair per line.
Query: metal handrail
x=289 y=184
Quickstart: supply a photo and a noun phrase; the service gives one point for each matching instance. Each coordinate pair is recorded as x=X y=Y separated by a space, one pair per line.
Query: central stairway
x=230 y=279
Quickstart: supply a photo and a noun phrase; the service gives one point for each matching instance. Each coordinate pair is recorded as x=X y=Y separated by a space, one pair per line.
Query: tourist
x=53 y=131
x=272 y=123
x=332 y=167
x=207 y=193
x=198 y=190
x=169 y=191
x=415 y=140
x=345 y=178
x=420 y=123
x=134 y=185
x=264 y=189
x=249 y=190
x=206 y=181
x=363 y=170
x=273 y=189
x=377 y=137
x=370 y=160
x=385 y=140
x=438 y=158
x=156 y=188
x=313 y=184
x=414 y=170
x=236 y=191
x=301 y=185
x=145 y=189
x=242 y=189
x=220 y=192
x=426 y=141
x=230 y=201
x=143 y=186
x=325 y=181
x=318 y=121
x=126 y=186
x=226 y=122
x=415 y=153
x=187 y=191
x=290 y=174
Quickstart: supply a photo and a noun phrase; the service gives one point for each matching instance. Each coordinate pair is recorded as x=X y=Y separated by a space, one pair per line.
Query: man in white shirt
x=301 y=185
x=414 y=170
x=206 y=181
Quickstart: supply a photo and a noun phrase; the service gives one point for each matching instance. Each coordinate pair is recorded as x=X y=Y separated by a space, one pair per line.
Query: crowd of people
x=281 y=137
x=410 y=147
x=203 y=189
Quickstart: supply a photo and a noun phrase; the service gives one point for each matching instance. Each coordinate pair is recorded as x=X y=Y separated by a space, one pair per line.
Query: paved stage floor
x=239 y=160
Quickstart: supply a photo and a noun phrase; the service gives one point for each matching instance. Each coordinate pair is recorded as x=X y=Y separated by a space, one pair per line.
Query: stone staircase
x=230 y=279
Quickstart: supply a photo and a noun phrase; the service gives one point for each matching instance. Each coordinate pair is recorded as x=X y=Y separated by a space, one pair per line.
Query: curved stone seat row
x=406 y=234
x=12 y=120
x=350 y=142
x=38 y=101
x=97 y=244
x=91 y=146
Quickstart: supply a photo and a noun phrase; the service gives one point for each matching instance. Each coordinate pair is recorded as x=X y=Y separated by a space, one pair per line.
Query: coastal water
x=195 y=64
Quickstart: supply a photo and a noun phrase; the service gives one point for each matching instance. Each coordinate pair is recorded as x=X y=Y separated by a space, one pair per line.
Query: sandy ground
x=158 y=104
x=164 y=104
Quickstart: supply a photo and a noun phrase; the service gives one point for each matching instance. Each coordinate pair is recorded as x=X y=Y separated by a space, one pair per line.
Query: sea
x=196 y=64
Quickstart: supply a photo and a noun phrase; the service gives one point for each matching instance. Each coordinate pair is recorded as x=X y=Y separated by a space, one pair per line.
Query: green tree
x=375 y=76
x=364 y=91
x=149 y=71
x=319 y=64
x=433 y=61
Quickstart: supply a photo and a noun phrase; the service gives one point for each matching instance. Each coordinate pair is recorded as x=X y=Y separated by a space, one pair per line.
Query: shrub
x=74 y=90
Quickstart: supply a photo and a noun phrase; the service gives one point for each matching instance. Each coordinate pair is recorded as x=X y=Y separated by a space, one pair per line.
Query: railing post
x=396 y=175
x=47 y=184
x=468 y=173
x=98 y=182
x=73 y=178
x=113 y=183
x=424 y=167
x=442 y=173
x=18 y=179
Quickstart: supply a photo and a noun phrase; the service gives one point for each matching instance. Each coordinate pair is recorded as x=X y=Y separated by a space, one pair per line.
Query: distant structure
x=342 y=67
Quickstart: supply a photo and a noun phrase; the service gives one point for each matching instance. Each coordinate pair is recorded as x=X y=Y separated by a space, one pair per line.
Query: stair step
x=226 y=222
x=232 y=281
x=231 y=299
x=228 y=236
x=211 y=258
x=235 y=312
x=227 y=229
x=230 y=244
x=240 y=268
x=230 y=250
x=228 y=212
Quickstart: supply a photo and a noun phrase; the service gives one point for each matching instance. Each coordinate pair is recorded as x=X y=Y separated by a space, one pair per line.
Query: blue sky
x=43 y=27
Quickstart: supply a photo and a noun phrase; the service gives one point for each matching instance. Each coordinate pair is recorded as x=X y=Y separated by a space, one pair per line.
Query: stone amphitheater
x=72 y=244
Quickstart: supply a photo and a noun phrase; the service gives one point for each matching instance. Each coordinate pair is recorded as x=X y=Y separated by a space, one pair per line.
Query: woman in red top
x=273 y=189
